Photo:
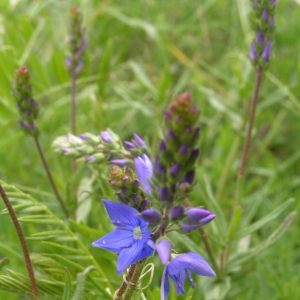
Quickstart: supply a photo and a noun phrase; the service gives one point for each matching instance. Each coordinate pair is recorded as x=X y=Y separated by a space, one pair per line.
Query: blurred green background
x=140 y=54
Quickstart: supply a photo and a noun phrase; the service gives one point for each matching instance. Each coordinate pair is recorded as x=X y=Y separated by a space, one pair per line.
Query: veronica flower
x=130 y=238
x=144 y=170
x=179 y=268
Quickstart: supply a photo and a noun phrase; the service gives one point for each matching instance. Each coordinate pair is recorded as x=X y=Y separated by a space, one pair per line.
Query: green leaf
x=266 y=219
x=68 y=286
x=81 y=279
x=240 y=258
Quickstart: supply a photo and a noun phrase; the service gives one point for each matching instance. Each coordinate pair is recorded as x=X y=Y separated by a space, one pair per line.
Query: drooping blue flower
x=179 y=268
x=130 y=238
x=144 y=170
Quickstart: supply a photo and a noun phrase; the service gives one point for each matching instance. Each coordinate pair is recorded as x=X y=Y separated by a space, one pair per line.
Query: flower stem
x=22 y=242
x=59 y=198
x=132 y=281
x=73 y=103
x=259 y=75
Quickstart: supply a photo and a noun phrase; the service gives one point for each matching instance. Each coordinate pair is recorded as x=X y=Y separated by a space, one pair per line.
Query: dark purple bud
x=162 y=146
x=170 y=135
x=260 y=38
x=165 y=194
x=121 y=197
x=144 y=204
x=265 y=15
x=152 y=216
x=136 y=183
x=129 y=145
x=194 y=155
x=105 y=135
x=183 y=150
x=124 y=190
x=252 y=52
x=177 y=212
x=125 y=179
x=28 y=112
x=168 y=115
x=175 y=169
x=139 y=141
x=158 y=167
x=135 y=197
x=22 y=124
x=272 y=21
x=266 y=53
x=189 y=177
x=164 y=249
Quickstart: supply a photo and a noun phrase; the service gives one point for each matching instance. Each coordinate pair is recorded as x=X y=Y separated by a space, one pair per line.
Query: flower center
x=137 y=233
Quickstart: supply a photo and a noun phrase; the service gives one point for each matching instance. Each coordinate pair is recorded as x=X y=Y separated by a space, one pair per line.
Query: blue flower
x=179 y=268
x=130 y=238
x=144 y=170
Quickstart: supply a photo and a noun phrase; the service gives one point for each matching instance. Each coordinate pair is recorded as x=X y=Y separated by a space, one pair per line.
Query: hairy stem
x=207 y=243
x=73 y=103
x=53 y=185
x=132 y=281
x=259 y=75
x=22 y=242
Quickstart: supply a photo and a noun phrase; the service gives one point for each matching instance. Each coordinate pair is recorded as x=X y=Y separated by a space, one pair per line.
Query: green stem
x=22 y=242
x=53 y=185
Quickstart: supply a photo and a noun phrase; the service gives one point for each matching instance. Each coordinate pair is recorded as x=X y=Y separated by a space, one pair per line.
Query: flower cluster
x=263 y=25
x=152 y=200
x=77 y=42
x=27 y=106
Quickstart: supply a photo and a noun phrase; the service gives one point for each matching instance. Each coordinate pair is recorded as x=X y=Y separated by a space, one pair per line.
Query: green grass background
x=140 y=54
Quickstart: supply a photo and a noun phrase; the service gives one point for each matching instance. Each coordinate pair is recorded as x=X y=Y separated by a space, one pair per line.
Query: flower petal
x=199 y=266
x=144 y=170
x=115 y=240
x=189 y=277
x=130 y=255
x=165 y=285
x=178 y=281
x=179 y=263
x=121 y=214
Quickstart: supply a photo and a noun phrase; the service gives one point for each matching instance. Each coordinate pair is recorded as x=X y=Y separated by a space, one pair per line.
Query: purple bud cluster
x=127 y=187
x=27 y=106
x=263 y=26
x=77 y=42
x=178 y=152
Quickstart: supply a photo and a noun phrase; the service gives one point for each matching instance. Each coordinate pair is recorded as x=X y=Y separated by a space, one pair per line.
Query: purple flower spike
x=152 y=216
x=179 y=268
x=252 y=51
x=130 y=145
x=105 y=135
x=139 y=141
x=130 y=238
x=164 y=248
x=265 y=15
x=266 y=53
x=144 y=170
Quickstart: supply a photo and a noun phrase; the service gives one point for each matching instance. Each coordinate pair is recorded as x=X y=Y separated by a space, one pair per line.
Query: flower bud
x=165 y=194
x=152 y=216
x=177 y=212
x=164 y=249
